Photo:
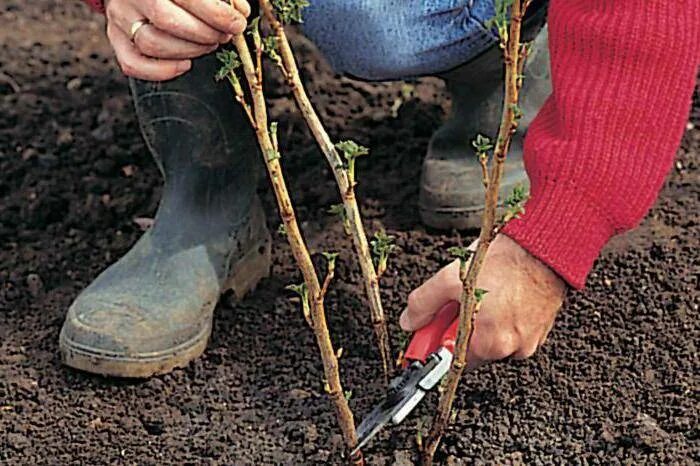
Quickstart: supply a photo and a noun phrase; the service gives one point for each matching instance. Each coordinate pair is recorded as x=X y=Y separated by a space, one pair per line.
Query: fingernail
x=225 y=38
x=184 y=66
x=405 y=321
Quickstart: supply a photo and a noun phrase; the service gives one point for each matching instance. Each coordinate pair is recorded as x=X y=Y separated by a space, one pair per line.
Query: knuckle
x=128 y=68
x=148 y=45
x=526 y=352
x=502 y=345
x=161 y=16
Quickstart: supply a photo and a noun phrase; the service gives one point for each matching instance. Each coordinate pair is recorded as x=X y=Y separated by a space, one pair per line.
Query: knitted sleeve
x=623 y=74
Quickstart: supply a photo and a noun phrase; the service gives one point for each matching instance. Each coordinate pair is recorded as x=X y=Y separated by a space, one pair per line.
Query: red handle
x=441 y=331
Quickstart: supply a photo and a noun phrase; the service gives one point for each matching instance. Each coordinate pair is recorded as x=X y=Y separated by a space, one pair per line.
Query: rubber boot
x=152 y=310
x=451 y=190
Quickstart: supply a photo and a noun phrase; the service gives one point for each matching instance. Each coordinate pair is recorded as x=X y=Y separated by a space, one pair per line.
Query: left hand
x=524 y=296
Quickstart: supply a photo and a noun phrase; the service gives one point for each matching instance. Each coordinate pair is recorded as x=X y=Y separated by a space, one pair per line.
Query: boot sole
x=250 y=269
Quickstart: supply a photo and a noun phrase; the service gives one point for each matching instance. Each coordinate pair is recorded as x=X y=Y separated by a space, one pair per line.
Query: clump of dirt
x=615 y=382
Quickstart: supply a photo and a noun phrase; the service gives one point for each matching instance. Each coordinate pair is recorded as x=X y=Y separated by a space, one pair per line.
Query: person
x=610 y=116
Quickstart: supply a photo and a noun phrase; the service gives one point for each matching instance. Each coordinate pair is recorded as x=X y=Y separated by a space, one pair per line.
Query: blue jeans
x=393 y=39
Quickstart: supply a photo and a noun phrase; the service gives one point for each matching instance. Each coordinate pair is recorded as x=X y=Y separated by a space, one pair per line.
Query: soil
x=616 y=382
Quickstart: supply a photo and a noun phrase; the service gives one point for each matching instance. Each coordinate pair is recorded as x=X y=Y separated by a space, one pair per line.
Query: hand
x=176 y=31
x=524 y=296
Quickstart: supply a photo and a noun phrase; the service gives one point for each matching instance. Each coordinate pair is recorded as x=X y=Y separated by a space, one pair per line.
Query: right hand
x=176 y=32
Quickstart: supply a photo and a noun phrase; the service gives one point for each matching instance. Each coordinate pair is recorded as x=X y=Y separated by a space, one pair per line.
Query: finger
x=427 y=299
x=545 y=334
x=138 y=66
x=169 y=17
x=490 y=342
x=217 y=14
x=152 y=42
x=243 y=6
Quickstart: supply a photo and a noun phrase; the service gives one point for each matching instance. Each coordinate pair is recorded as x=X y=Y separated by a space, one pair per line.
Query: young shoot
x=254 y=32
x=479 y=294
x=339 y=210
x=330 y=271
x=500 y=19
x=382 y=246
x=483 y=145
x=515 y=202
x=303 y=292
x=463 y=254
x=273 y=135
x=271 y=49
x=229 y=64
x=290 y=11
x=351 y=151
x=282 y=230
x=330 y=260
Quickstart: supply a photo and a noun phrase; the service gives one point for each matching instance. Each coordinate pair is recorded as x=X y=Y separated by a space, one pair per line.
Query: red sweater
x=623 y=73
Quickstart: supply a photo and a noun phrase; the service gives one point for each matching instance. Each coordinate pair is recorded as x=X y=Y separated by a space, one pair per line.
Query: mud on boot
x=152 y=310
x=451 y=191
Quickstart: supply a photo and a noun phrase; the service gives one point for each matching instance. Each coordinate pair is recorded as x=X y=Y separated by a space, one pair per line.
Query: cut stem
x=468 y=301
x=298 y=247
x=344 y=182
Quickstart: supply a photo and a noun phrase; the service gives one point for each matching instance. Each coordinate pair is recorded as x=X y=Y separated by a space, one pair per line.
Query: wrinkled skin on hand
x=518 y=312
x=176 y=31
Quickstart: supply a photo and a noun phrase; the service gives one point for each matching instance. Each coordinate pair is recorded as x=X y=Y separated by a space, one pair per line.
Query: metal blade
x=402 y=390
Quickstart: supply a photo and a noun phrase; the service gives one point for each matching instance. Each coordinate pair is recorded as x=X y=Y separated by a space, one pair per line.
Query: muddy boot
x=451 y=191
x=152 y=310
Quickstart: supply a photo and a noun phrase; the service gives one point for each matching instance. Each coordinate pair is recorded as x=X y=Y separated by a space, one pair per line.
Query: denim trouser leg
x=393 y=39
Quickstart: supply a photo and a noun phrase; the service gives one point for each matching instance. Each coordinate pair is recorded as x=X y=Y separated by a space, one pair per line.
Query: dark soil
x=617 y=381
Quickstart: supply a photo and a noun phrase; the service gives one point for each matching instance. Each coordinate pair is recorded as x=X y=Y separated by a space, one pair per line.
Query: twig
x=299 y=248
x=345 y=185
x=469 y=302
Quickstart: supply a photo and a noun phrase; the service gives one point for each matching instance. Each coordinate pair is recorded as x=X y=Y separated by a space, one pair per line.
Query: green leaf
x=330 y=258
x=460 y=252
x=351 y=149
x=290 y=11
x=382 y=244
x=482 y=144
x=501 y=18
x=479 y=294
x=339 y=210
x=272 y=155
x=517 y=111
x=282 y=229
x=229 y=63
x=515 y=202
x=517 y=196
x=303 y=291
x=270 y=47
x=299 y=289
x=254 y=25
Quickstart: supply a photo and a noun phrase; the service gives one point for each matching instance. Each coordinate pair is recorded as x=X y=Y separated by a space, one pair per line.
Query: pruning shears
x=426 y=361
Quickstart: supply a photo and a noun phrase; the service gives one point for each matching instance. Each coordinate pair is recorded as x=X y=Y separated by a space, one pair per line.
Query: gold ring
x=135 y=26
